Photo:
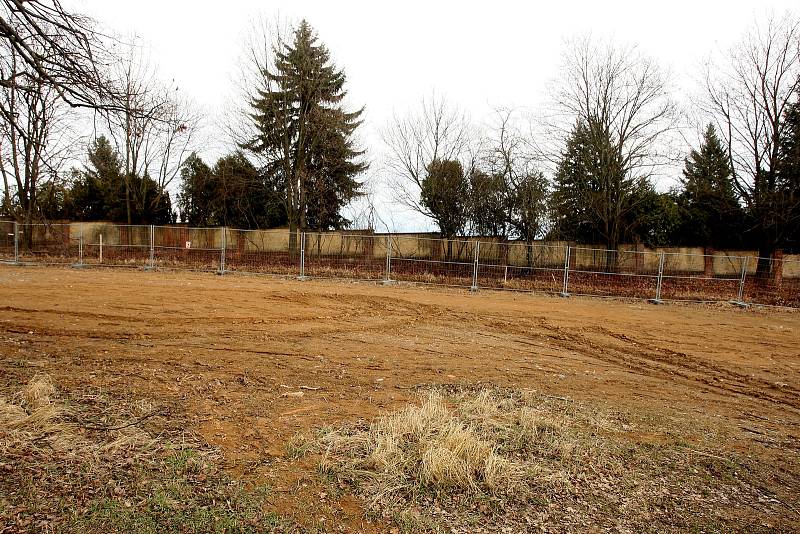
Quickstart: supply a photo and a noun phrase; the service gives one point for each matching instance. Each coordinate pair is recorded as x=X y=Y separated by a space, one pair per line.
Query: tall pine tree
x=789 y=177
x=711 y=213
x=572 y=218
x=304 y=134
x=97 y=192
x=594 y=197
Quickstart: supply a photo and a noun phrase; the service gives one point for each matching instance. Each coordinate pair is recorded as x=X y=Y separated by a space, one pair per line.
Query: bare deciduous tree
x=621 y=97
x=34 y=140
x=438 y=131
x=153 y=127
x=57 y=48
x=747 y=98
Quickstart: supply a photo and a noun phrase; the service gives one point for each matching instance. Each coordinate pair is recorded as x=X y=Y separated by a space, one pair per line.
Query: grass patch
x=466 y=458
x=90 y=463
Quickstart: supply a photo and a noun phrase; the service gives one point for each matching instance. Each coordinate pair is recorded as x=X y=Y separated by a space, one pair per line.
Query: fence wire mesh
x=621 y=273
x=432 y=261
x=116 y=245
x=672 y=274
x=262 y=251
x=521 y=266
x=7 y=248
x=51 y=244
x=196 y=249
x=358 y=256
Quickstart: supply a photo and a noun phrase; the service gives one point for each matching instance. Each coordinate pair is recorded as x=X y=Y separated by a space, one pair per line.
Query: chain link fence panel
x=7 y=241
x=262 y=251
x=741 y=278
x=49 y=244
x=116 y=245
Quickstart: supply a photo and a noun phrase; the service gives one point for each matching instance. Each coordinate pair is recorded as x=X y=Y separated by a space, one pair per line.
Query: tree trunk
x=764 y=266
x=293 y=251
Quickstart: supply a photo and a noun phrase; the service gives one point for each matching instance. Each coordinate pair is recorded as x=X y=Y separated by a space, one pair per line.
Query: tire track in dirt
x=664 y=363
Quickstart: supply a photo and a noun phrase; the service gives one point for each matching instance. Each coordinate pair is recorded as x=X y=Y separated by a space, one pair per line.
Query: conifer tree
x=97 y=192
x=789 y=176
x=710 y=210
x=304 y=135
x=594 y=198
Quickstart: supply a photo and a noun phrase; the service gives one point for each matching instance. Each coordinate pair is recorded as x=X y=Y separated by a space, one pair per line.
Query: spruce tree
x=444 y=194
x=572 y=218
x=789 y=177
x=304 y=134
x=97 y=192
x=710 y=210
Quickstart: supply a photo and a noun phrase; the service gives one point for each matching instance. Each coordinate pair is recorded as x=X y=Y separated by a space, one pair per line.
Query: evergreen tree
x=489 y=203
x=198 y=192
x=572 y=218
x=444 y=195
x=232 y=193
x=528 y=205
x=97 y=192
x=305 y=135
x=657 y=219
x=789 y=177
x=710 y=210
x=594 y=198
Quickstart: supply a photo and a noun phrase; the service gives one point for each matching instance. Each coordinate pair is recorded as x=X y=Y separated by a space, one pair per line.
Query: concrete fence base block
x=739 y=303
x=78 y=265
x=389 y=282
x=149 y=268
x=564 y=295
x=655 y=301
x=303 y=278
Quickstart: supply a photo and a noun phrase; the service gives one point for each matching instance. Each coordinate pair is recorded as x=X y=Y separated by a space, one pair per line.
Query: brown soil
x=259 y=360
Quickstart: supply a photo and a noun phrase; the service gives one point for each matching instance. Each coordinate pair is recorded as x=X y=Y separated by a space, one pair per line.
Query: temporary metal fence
x=476 y=264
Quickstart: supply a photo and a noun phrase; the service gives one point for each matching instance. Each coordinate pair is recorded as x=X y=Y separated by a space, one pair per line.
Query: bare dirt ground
x=254 y=362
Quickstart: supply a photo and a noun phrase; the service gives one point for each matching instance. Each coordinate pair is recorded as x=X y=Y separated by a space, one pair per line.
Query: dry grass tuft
x=35 y=421
x=30 y=420
x=83 y=461
x=527 y=460
x=429 y=446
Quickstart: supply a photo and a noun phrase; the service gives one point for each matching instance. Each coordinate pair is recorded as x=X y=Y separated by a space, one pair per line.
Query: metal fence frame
x=472 y=264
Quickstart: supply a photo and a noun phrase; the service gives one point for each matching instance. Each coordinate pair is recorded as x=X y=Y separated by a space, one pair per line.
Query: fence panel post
x=302 y=256
x=388 y=259
x=152 y=247
x=657 y=300
x=475 y=267
x=740 y=295
x=565 y=288
x=80 y=244
x=16 y=242
x=222 y=251
x=101 y=248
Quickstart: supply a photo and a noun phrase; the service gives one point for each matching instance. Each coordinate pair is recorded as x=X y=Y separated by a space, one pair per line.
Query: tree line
x=582 y=169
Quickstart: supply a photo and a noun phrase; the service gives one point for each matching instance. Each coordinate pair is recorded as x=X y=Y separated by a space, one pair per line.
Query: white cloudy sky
x=479 y=54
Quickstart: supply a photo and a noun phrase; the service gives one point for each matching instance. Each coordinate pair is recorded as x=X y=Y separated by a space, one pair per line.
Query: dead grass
x=91 y=463
x=34 y=422
x=514 y=459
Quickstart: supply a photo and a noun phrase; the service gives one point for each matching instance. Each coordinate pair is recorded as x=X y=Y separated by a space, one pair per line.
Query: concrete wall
x=630 y=258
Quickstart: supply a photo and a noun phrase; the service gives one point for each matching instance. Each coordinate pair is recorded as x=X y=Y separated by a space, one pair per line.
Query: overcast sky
x=478 y=54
